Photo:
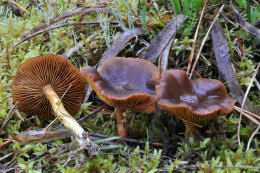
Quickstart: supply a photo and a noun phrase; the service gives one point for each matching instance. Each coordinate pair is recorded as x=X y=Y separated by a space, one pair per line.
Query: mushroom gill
x=36 y=73
x=40 y=83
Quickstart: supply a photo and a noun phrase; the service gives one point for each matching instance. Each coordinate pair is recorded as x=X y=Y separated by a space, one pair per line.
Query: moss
x=217 y=150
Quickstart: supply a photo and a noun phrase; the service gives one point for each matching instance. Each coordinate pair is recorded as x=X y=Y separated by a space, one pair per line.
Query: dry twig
x=128 y=140
x=195 y=37
x=243 y=103
x=9 y=116
x=45 y=30
x=6 y=156
x=92 y=113
x=204 y=41
x=63 y=16
x=247 y=112
x=71 y=51
x=251 y=137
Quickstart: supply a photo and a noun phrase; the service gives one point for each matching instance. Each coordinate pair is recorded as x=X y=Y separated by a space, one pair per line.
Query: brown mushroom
x=192 y=100
x=39 y=84
x=126 y=84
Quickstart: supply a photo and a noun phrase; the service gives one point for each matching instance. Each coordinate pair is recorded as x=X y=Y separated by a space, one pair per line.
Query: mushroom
x=126 y=84
x=40 y=83
x=192 y=100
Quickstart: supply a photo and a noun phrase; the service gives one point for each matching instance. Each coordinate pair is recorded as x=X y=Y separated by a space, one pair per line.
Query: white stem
x=66 y=119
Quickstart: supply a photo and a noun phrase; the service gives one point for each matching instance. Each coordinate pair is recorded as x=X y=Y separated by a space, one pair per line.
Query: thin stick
x=52 y=28
x=237 y=78
x=66 y=91
x=6 y=143
x=257 y=84
x=249 y=117
x=251 y=137
x=197 y=166
x=48 y=29
x=92 y=114
x=48 y=126
x=79 y=11
x=204 y=40
x=243 y=103
x=6 y=156
x=128 y=140
x=70 y=52
x=195 y=37
x=239 y=167
x=249 y=113
x=227 y=19
x=19 y=114
x=9 y=116
x=40 y=136
x=240 y=47
x=67 y=54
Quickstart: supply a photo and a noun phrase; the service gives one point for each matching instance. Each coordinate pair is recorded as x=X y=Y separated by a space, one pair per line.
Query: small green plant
x=252 y=15
x=189 y=6
x=217 y=148
x=247 y=69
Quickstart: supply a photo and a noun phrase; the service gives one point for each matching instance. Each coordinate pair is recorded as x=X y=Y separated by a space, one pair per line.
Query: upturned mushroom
x=126 y=84
x=40 y=83
x=192 y=100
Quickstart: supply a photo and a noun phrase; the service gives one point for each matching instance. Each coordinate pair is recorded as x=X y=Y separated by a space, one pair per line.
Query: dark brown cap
x=193 y=100
x=36 y=73
x=125 y=83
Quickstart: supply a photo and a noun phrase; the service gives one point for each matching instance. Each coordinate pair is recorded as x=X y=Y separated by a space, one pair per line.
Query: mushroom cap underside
x=193 y=100
x=38 y=72
x=125 y=83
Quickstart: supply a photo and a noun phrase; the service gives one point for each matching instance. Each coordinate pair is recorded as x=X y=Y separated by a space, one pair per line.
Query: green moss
x=216 y=148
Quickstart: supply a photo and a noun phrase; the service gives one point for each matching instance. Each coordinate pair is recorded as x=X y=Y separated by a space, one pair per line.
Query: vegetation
x=217 y=149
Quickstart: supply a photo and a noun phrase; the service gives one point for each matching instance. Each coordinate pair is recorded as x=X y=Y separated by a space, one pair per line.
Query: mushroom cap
x=193 y=100
x=125 y=83
x=36 y=73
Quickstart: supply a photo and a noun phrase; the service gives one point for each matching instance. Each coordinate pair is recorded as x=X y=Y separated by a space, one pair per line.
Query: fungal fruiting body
x=40 y=83
x=192 y=100
x=126 y=84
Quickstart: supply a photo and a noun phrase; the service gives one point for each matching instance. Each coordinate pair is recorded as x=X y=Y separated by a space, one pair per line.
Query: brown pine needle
x=251 y=137
x=243 y=103
x=247 y=112
x=240 y=47
x=204 y=40
x=247 y=115
x=195 y=38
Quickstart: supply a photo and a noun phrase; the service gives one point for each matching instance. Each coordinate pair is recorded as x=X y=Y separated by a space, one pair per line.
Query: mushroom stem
x=122 y=131
x=191 y=130
x=66 y=119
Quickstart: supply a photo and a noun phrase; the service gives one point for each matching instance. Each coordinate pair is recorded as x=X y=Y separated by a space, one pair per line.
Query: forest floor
x=88 y=32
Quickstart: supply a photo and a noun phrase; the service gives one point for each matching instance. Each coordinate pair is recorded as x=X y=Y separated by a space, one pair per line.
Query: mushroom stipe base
x=191 y=130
